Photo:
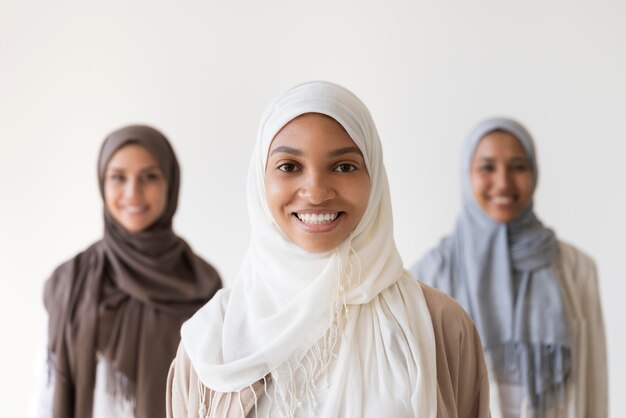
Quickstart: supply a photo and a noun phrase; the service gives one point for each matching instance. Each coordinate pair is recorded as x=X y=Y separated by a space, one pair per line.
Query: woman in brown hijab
x=115 y=309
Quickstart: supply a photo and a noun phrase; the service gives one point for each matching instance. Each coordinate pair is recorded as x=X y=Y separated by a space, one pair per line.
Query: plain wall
x=202 y=72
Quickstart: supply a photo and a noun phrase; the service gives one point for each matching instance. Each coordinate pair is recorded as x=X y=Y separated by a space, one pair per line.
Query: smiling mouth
x=317 y=218
x=502 y=200
x=134 y=210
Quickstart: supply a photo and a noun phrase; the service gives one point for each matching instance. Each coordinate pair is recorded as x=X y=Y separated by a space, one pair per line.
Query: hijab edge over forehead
x=269 y=136
x=284 y=108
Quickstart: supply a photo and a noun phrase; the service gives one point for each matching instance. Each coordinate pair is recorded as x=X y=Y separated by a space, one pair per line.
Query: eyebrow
x=149 y=168
x=287 y=150
x=342 y=151
x=516 y=158
x=335 y=153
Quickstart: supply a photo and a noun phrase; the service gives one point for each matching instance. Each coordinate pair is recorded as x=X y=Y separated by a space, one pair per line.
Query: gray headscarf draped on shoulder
x=504 y=276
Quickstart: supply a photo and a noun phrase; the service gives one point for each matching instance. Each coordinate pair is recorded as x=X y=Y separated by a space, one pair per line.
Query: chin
x=316 y=247
x=134 y=228
x=502 y=217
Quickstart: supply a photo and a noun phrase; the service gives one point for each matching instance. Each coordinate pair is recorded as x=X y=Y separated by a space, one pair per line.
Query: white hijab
x=343 y=333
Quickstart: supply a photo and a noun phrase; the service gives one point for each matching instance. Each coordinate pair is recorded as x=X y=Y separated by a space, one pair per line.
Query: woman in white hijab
x=323 y=320
x=534 y=299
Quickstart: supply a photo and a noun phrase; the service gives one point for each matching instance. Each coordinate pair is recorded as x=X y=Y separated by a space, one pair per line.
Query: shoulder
x=571 y=255
x=577 y=267
x=445 y=312
x=456 y=336
x=80 y=261
x=462 y=381
x=58 y=286
x=431 y=263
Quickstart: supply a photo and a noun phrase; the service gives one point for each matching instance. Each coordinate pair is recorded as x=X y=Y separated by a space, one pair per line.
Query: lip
x=318 y=228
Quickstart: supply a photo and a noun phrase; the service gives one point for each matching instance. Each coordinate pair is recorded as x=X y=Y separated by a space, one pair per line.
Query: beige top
x=462 y=382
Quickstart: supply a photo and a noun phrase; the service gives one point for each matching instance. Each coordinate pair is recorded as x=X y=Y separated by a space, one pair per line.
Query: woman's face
x=501 y=176
x=135 y=189
x=316 y=182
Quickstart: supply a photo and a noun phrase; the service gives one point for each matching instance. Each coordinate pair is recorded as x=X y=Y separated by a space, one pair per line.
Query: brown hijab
x=124 y=299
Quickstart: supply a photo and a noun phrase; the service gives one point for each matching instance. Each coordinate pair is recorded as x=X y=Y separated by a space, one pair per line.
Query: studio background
x=203 y=72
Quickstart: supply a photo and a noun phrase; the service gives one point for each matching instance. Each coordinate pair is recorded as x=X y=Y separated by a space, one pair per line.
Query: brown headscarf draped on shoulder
x=123 y=300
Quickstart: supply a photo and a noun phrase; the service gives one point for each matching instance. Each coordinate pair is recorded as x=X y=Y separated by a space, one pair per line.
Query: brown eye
x=117 y=178
x=150 y=177
x=345 y=168
x=287 y=167
x=520 y=167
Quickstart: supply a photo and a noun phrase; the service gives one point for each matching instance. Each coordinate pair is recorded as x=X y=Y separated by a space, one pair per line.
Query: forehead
x=499 y=144
x=131 y=155
x=312 y=129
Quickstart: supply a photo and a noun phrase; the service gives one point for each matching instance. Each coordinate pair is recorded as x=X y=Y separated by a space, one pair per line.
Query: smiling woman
x=316 y=182
x=323 y=319
x=116 y=308
x=534 y=298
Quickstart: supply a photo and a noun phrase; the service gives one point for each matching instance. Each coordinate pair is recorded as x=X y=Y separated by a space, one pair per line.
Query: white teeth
x=317 y=218
x=501 y=200
x=134 y=209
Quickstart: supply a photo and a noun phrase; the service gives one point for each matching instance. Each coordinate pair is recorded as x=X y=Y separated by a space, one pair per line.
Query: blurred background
x=203 y=72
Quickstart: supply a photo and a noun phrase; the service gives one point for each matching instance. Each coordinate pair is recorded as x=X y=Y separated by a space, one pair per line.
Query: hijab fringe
x=541 y=368
x=118 y=385
x=296 y=380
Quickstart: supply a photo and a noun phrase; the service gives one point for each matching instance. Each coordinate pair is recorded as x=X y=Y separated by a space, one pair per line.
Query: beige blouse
x=462 y=381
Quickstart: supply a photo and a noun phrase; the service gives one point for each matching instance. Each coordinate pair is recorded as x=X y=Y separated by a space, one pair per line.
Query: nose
x=502 y=178
x=317 y=188
x=132 y=188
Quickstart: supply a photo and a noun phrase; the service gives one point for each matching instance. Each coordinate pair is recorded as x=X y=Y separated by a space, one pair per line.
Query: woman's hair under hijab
x=124 y=298
x=288 y=308
x=505 y=276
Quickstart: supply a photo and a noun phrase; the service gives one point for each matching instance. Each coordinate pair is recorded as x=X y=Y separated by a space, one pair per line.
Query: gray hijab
x=505 y=276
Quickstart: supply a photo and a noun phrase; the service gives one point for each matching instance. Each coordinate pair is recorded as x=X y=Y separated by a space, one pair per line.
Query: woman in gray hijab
x=534 y=298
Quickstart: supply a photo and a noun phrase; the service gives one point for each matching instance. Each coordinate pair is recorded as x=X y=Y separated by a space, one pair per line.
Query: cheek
x=110 y=196
x=479 y=183
x=158 y=197
x=359 y=194
x=525 y=186
x=365 y=195
x=275 y=191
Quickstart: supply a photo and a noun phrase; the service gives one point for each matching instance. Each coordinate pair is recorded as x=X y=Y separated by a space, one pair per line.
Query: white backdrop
x=202 y=72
